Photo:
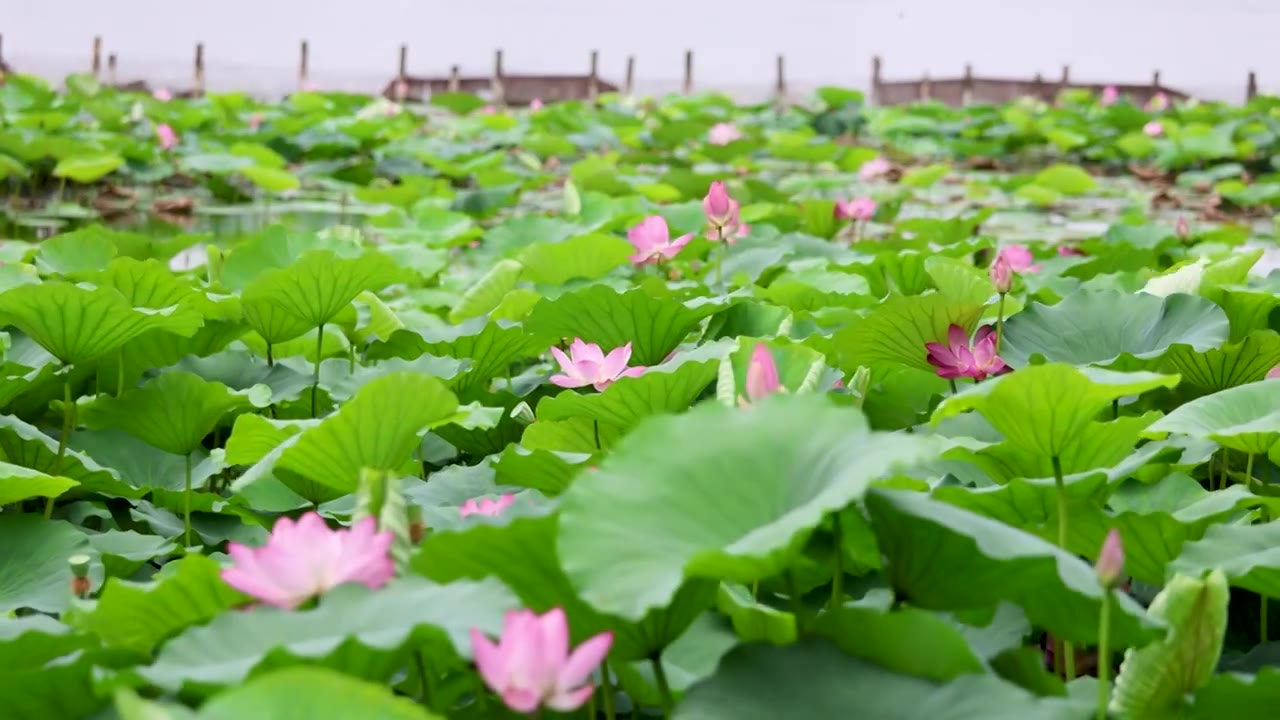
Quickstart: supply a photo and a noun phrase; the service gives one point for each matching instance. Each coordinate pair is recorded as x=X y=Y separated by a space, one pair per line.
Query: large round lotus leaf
x=1097 y=327
x=1244 y=418
x=718 y=492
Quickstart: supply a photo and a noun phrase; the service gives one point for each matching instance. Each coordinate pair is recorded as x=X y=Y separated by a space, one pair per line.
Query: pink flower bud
x=1153 y=129
x=1273 y=373
x=718 y=205
x=1182 y=228
x=1111 y=559
x=1001 y=274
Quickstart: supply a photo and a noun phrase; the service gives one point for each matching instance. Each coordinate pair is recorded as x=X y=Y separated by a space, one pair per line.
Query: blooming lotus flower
x=531 y=666
x=586 y=364
x=1158 y=102
x=1153 y=128
x=162 y=94
x=1111 y=559
x=874 y=168
x=762 y=377
x=652 y=240
x=1019 y=258
x=1001 y=274
x=304 y=559
x=1070 y=251
x=1110 y=95
x=723 y=134
x=1181 y=228
x=957 y=359
x=486 y=506
x=536 y=104
x=859 y=208
x=167 y=137
x=722 y=215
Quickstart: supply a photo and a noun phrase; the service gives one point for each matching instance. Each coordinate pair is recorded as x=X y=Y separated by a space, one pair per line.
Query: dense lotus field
x=336 y=408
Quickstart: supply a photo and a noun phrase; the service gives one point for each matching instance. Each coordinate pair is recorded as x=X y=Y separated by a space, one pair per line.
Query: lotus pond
x=341 y=408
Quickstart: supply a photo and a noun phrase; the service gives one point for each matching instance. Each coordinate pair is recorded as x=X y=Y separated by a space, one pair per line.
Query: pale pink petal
x=554 y=627
x=570 y=700
x=676 y=245
x=489 y=660
x=565 y=363
x=583 y=660
x=522 y=700
x=957 y=337
x=633 y=372
x=651 y=234
x=585 y=352
x=762 y=374
x=615 y=362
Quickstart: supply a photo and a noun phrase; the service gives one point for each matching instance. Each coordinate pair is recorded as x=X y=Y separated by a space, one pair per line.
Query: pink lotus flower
x=652 y=240
x=167 y=137
x=762 y=377
x=1001 y=274
x=859 y=208
x=1181 y=227
x=1110 y=95
x=304 y=559
x=162 y=94
x=723 y=134
x=722 y=215
x=874 y=168
x=1158 y=102
x=1070 y=251
x=957 y=359
x=255 y=121
x=1111 y=559
x=531 y=666
x=1273 y=373
x=486 y=506
x=1153 y=129
x=586 y=364
x=536 y=104
x=1019 y=258
x=489 y=110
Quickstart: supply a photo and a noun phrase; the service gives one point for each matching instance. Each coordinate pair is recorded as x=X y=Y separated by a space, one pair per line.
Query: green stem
x=186 y=508
x=953 y=385
x=271 y=360
x=1262 y=599
x=1000 y=323
x=595 y=428
x=755 y=591
x=315 y=374
x=1248 y=472
x=606 y=693
x=591 y=707
x=427 y=683
x=1115 y=409
x=68 y=426
x=837 y=580
x=1104 y=655
x=1068 y=651
x=664 y=689
x=120 y=372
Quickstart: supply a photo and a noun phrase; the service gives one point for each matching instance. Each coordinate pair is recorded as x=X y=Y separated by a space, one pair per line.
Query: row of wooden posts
x=593 y=78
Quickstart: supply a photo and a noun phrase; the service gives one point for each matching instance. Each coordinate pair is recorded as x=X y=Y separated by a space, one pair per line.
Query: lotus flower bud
x=1111 y=560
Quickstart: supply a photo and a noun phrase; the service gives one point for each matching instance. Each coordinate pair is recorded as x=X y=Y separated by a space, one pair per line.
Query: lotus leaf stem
x=664 y=689
x=186 y=507
x=606 y=693
x=1000 y=323
x=68 y=426
x=1104 y=655
x=837 y=580
x=315 y=374
x=1068 y=651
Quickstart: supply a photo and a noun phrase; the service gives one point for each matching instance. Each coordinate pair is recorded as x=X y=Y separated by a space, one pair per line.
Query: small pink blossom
x=1110 y=95
x=1181 y=227
x=536 y=104
x=162 y=94
x=958 y=359
x=586 y=364
x=486 y=506
x=762 y=377
x=1111 y=559
x=167 y=137
x=1070 y=251
x=874 y=168
x=1273 y=373
x=652 y=241
x=859 y=208
x=1153 y=129
x=723 y=133
x=1001 y=274
x=1158 y=102
x=489 y=110
x=1019 y=258
x=255 y=121
x=531 y=665
x=304 y=559
x=722 y=215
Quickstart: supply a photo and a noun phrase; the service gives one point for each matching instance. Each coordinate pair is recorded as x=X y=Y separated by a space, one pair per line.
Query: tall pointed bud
x=1001 y=273
x=1182 y=229
x=718 y=205
x=762 y=374
x=1110 y=564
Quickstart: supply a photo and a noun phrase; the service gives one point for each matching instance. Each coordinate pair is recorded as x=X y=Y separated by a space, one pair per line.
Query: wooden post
x=629 y=85
x=780 y=88
x=1155 y=81
x=304 y=69
x=401 y=88
x=1039 y=86
x=199 y=79
x=1251 y=87
x=455 y=79
x=876 y=97
x=926 y=87
x=499 y=92
x=593 y=76
x=1065 y=82
x=97 y=55
x=688 y=72
x=111 y=70
x=966 y=85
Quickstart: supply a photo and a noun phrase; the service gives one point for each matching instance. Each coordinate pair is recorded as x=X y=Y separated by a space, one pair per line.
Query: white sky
x=1201 y=46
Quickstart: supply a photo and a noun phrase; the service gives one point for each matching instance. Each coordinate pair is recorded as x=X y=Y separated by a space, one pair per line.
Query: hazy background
x=1203 y=47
